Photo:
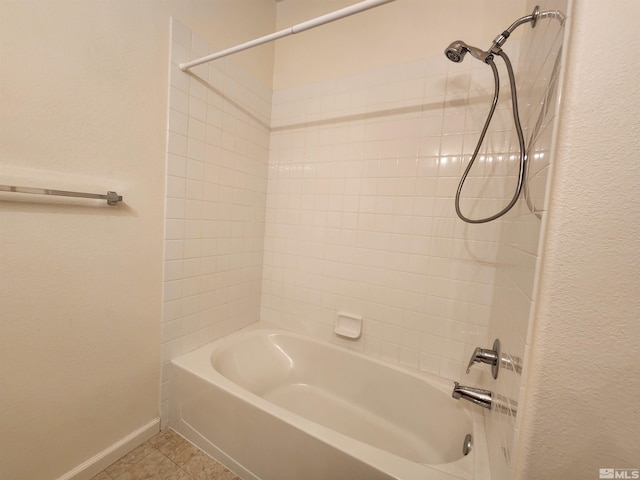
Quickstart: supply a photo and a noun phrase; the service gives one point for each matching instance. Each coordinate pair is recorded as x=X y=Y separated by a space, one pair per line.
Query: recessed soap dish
x=348 y=325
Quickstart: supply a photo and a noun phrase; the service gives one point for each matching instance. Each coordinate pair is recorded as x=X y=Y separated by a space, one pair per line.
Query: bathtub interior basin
x=260 y=394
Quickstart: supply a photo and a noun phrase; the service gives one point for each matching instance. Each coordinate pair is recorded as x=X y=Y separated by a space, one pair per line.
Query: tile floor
x=166 y=456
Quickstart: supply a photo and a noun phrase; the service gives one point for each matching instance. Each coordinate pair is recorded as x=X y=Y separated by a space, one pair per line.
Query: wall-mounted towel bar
x=112 y=198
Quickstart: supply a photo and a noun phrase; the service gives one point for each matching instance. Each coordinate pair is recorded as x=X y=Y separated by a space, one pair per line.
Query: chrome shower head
x=458 y=49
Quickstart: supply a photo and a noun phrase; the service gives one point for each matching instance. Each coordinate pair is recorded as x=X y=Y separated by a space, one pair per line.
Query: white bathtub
x=275 y=405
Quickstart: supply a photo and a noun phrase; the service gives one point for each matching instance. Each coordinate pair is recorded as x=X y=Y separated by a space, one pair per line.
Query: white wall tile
x=517 y=252
x=347 y=204
x=212 y=271
x=376 y=222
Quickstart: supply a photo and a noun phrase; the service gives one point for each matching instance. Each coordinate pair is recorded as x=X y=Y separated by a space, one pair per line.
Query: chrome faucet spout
x=481 y=397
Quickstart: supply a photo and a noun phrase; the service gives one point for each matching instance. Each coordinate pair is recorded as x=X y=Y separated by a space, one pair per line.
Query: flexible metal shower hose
x=516 y=119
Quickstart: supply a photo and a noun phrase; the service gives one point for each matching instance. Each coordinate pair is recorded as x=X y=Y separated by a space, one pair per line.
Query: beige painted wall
x=581 y=408
x=417 y=29
x=83 y=107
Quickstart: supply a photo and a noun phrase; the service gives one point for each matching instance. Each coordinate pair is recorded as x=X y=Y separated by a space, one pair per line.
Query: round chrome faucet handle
x=474 y=359
x=490 y=357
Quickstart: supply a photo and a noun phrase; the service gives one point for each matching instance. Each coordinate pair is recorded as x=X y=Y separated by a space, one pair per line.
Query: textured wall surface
x=394 y=33
x=581 y=399
x=83 y=107
x=79 y=281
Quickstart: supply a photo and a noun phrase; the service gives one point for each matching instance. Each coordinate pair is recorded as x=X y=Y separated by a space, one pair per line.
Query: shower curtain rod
x=300 y=27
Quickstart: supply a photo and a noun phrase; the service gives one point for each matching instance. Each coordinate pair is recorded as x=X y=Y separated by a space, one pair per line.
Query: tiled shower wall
x=362 y=171
x=360 y=210
x=539 y=73
x=218 y=140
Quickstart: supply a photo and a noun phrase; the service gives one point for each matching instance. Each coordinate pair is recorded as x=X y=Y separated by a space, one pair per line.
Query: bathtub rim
x=477 y=463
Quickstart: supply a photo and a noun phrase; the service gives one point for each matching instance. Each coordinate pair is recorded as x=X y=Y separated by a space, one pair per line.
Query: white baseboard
x=102 y=460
